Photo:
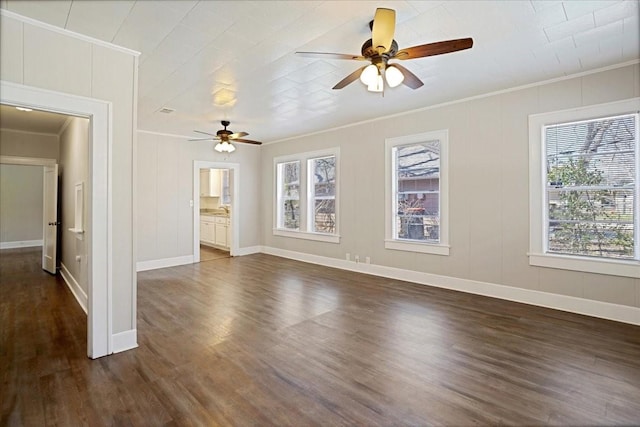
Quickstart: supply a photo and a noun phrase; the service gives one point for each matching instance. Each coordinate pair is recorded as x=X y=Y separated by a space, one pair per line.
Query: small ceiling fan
x=224 y=138
x=381 y=48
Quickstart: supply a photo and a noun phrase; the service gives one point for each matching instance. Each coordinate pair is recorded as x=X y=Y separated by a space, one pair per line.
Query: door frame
x=234 y=181
x=98 y=193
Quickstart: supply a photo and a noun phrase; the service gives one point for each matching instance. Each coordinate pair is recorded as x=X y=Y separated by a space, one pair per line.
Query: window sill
x=425 y=248
x=587 y=265
x=318 y=237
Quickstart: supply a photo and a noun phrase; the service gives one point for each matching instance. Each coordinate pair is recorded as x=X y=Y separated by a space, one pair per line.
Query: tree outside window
x=591 y=187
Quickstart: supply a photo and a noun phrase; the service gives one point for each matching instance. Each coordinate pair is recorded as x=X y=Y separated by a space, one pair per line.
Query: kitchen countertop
x=218 y=214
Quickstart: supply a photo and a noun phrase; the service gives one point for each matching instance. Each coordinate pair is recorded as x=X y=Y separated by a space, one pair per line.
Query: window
x=307 y=205
x=586 y=179
x=289 y=195
x=417 y=200
x=322 y=194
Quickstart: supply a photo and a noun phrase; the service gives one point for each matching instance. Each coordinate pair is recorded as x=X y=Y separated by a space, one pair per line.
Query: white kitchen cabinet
x=210 y=183
x=214 y=231
x=207 y=231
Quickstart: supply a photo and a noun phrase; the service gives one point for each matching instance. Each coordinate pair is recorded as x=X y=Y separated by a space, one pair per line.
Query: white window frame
x=306 y=192
x=391 y=242
x=538 y=255
x=311 y=196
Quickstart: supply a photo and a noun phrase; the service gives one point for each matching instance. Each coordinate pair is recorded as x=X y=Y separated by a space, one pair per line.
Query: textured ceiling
x=214 y=60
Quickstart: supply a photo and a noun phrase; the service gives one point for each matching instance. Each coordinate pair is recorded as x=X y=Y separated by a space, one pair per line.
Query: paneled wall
x=489 y=199
x=165 y=188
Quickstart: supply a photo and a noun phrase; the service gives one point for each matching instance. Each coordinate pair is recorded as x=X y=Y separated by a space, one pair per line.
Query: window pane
x=325 y=216
x=418 y=191
x=324 y=172
x=291 y=214
x=591 y=168
x=288 y=198
x=291 y=180
x=323 y=194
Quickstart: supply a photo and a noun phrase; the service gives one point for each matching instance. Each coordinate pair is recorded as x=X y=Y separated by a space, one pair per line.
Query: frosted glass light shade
x=369 y=74
x=224 y=146
x=394 y=76
x=377 y=85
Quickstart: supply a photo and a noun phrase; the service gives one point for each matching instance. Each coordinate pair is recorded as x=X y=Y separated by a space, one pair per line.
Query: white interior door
x=50 y=218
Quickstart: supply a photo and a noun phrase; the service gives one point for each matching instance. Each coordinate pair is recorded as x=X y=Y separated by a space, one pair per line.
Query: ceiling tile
x=100 y=19
x=569 y=28
x=616 y=12
x=575 y=9
x=54 y=12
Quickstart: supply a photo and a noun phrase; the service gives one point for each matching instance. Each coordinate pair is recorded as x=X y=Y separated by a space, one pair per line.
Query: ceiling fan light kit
x=224 y=137
x=381 y=48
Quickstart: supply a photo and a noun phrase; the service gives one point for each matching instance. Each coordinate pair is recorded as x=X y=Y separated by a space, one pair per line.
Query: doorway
x=215 y=209
x=98 y=225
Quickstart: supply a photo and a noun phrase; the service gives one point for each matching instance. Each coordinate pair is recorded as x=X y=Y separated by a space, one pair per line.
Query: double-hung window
x=306 y=196
x=417 y=193
x=585 y=189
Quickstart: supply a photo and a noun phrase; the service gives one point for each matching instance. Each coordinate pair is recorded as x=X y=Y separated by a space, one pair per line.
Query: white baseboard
x=163 y=263
x=74 y=287
x=604 y=310
x=21 y=244
x=248 y=250
x=123 y=341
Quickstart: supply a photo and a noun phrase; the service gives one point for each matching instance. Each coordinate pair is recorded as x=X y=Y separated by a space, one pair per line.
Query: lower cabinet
x=214 y=231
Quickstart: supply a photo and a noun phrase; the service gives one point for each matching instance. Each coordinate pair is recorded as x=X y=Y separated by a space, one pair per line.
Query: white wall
x=165 y=188
x=20 y=205
x=39 y=56
x=489 y=220
x=74 y=169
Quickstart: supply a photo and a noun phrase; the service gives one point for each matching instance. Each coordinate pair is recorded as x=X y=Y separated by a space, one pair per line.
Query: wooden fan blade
x=384 y=25
x=350 y=78
x=328 y=55
x=432 y=49
x=237 y=135
x=248 y=141
x=207 y=133
x=410 y=79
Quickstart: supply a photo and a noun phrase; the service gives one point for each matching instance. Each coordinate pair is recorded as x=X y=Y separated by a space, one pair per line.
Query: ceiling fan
x=381 y=48
x=224 y=138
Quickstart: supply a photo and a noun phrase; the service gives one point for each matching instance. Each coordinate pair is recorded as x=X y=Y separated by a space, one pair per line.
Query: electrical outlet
x=357 y=258
x=348 y=256
x=367 y=260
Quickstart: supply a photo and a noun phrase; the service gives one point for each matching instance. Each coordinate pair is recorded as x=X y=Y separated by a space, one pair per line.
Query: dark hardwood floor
x=260 y=340
x=207 y=253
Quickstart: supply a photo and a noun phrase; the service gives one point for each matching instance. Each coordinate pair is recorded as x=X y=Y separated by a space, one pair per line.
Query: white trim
x=249 y=250
x=436 y=248
x=307 y=235
x=134 y=195
x=74 y=287
x=537 y=183
x=44 y=25
x=99 y=213
x=21 y=244
x=65 y=125
x=610 y=267
x=164 y=263
x=417 y=246
x=126 y=340
x=604 y=310
x=27 y=161
x=234 y=181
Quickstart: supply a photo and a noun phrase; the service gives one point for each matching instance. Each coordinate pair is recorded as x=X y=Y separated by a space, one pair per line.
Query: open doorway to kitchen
x=215 y=210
